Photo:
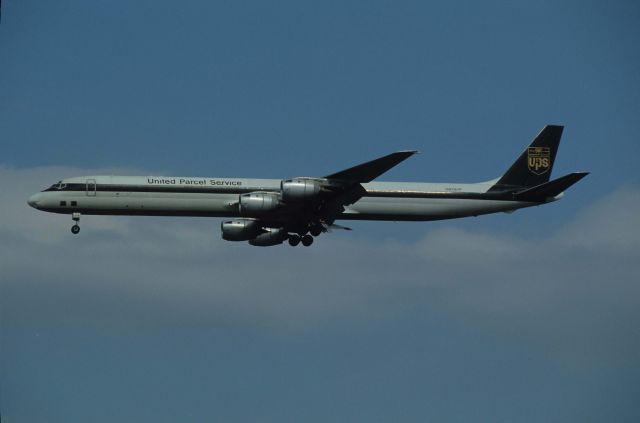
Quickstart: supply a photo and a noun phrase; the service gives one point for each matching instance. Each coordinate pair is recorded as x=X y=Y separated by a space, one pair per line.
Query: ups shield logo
x=539 y=160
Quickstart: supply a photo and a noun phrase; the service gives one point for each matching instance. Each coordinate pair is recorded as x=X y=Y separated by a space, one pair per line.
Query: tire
x=307 y=240
x=315 y=230
x=294 y=240
x=75 y=229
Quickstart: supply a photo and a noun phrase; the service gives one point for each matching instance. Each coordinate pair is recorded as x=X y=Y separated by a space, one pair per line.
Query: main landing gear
x=316 y=230
x=306 y=240
x=306 y=233
x=75 y=229
x=294 y=240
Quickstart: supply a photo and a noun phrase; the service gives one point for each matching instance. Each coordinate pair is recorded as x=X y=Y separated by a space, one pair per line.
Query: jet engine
x=258 y=203
x=240 y=229
x=300 y=189
x=270 y=236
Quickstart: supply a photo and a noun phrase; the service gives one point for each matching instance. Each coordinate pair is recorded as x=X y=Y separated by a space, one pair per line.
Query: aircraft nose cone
x=33 y=200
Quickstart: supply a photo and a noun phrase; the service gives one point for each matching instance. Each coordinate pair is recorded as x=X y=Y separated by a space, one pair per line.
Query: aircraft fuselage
x=218 y=197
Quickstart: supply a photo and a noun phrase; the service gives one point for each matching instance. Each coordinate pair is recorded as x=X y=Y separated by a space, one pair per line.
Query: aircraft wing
x=338 y=190
x=367 y=172
x=346 y=184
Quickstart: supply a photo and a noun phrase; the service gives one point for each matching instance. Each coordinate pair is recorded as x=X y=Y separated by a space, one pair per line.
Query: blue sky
x=527 y=317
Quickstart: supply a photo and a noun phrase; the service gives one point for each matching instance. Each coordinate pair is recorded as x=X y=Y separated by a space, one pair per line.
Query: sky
x=532 y=316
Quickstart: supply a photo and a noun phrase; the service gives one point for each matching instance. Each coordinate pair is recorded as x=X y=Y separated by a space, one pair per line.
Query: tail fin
x=534 y=165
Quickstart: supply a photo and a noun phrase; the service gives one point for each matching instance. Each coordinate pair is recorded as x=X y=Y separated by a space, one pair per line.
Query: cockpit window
x=58 y=186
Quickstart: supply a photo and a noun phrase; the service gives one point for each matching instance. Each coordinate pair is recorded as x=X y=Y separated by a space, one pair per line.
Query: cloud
x=612 y=224
x=574 y=290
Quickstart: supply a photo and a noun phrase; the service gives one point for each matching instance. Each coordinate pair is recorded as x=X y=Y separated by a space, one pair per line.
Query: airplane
x=268 y=212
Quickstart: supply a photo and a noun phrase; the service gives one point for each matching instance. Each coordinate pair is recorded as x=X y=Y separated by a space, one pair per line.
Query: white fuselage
x=218 y=197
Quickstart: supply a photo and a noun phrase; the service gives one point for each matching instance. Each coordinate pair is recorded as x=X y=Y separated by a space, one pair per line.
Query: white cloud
x=613 y=224
x=574 y=289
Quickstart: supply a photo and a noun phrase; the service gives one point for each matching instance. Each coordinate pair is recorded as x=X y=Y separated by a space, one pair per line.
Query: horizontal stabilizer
x=369 y=171
x=549 y=189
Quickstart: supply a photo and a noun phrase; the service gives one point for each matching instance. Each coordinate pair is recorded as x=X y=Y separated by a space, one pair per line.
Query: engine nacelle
x=270 y=236
x=258 y=203
x=299 y=189
x=240 y=229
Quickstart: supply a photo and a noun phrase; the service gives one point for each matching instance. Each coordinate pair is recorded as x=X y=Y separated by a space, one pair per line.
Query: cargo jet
x=268 y=212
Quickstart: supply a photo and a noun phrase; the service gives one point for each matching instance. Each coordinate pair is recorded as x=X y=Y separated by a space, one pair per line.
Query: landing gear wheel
x=315 y=230
x=294 y=240
x=76 y=218
x=307 y=240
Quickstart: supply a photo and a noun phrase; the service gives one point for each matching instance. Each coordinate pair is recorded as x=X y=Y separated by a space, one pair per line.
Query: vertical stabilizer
x=534 y=165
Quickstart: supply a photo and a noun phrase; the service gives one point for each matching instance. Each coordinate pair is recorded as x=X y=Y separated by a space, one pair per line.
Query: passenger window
x=63 y=203
x=74 y=203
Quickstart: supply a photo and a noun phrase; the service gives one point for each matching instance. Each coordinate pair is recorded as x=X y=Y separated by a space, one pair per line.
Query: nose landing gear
x=75 y=229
